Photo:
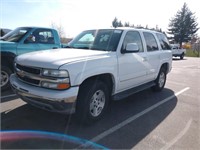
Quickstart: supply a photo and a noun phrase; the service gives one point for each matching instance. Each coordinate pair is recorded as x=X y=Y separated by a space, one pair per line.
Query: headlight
x=55 y=73
x=61 y=79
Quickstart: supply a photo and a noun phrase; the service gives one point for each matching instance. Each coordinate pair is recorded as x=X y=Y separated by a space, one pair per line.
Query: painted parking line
x=178 y=137
x=129 y=120
x=176 y=83
x=7 y=96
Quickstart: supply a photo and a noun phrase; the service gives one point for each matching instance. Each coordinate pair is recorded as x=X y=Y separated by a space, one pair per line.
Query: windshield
x=103 y=40
x=15 y=35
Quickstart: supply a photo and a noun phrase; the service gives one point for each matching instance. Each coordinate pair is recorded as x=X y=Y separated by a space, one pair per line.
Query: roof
x=36 y=27
x=127 y=28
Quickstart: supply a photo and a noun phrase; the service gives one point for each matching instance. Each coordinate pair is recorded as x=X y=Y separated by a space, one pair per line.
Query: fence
x=196 y=48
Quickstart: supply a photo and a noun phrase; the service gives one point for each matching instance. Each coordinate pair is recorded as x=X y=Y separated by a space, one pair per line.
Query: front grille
x=28 y=80
x=28 y=69
x=24 y=73
x=33 y=76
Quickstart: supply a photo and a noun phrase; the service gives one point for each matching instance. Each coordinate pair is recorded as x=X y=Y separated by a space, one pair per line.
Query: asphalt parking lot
x=166 y=120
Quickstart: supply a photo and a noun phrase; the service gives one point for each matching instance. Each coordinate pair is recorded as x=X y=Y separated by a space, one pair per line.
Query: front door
x=132 y=66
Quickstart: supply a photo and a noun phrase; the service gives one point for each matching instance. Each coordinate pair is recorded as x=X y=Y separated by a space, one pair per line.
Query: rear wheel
x=92 y=101
x=5 y=74
x=160 y=80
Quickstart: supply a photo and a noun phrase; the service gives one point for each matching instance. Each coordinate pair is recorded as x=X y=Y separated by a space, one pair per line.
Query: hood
x=5 y=42
x=7 y=46
x=54 y=58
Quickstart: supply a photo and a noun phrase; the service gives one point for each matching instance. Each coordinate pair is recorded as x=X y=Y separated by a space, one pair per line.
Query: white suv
x=96 y=67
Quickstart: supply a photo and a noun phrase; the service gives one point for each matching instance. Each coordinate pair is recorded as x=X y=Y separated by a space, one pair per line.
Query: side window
x=133 y=37
x=150 y=41
x=43 y=36
x=30 y=39
x=163 y=41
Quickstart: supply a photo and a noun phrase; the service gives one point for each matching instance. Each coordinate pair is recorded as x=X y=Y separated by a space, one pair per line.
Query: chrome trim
x=30 y=67
x=40 y=78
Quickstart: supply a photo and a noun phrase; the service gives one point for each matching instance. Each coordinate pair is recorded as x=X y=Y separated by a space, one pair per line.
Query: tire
x=5 y=74
x=182 y=56
x=160 y=80
x=92 y=101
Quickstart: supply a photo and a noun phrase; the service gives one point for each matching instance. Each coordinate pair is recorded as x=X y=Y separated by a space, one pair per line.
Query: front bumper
x=62 y=101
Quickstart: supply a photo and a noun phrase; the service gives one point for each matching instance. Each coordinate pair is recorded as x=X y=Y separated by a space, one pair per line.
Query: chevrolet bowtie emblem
x=21 y=73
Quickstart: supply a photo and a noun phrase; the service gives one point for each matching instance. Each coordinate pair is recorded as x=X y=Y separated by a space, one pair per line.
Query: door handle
x=55 y=48
x=144 y=59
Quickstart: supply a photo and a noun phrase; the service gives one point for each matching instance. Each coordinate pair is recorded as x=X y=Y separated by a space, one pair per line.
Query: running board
x=134 y=90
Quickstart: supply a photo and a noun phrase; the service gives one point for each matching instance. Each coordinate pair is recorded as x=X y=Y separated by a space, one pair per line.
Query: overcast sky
x=77 y=15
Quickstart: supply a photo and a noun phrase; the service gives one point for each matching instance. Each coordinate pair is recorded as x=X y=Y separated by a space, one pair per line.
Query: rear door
x=153 y=55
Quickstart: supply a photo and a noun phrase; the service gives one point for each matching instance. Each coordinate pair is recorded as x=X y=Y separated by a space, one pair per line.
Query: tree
x=183 y=26
x=133 y=26
x=59 y=28
x=126 y=24
x=120 y=24
x=115 y=23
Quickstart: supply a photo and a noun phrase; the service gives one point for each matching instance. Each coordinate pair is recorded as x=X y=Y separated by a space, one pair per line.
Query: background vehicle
x=23 y=40
x=4 y=31
x=177 y=51
x=99 y=65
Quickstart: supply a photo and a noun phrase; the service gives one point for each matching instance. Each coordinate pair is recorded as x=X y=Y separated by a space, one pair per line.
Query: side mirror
x=131 y=48
x=26 y=41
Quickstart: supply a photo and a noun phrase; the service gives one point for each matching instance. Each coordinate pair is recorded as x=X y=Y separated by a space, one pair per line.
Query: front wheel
x=160 y=80
x=92 y=101
x=182 y=56
x=5 y=74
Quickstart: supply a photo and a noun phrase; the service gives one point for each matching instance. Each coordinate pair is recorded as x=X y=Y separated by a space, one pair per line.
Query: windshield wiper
x=67 y=46
x=83 y=47
x=99 y=49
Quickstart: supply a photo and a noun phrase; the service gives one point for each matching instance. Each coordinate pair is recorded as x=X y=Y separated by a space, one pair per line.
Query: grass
x=191 y=53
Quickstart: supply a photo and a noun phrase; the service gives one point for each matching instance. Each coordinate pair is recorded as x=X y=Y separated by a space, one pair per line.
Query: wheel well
x=166 y=67
x=7 y=59
x=105 y=78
